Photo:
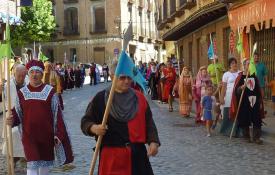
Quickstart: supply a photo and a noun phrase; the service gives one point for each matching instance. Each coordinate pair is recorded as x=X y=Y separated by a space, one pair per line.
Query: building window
x=150 y=26
x=141 y=22
x=99 y=16
x=164 y=9
x=73 y=57
x=71 y=21
x=190 y=45
x=172 y=6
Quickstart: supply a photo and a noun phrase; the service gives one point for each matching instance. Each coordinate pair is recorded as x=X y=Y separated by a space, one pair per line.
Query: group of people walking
x=216 y=94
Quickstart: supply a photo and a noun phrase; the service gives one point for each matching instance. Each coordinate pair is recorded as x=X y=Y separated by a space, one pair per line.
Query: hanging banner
x=231 y=42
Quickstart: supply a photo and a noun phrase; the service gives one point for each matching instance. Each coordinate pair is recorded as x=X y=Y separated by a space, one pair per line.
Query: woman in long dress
x=185 y=92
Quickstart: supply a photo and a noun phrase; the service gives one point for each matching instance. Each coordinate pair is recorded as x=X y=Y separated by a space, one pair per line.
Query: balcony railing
x=71 y=31
x=70 y=1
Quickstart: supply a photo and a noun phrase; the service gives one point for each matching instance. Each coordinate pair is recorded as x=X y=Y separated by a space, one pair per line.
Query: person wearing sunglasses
x=130 y=127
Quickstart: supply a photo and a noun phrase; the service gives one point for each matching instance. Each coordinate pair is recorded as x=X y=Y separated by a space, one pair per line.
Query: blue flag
x=26 y=3
x=127 y=67
x=211 y=51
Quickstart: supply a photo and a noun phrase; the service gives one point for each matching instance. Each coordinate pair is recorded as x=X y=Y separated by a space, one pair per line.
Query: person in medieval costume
x=251 y=110
x=71 y=78
x=52 y=78
x=170 y=79
x=44 y=135
x=153 y=82
x=17 y=81
x=185 y=92
x=78 y=79
x=130 y=127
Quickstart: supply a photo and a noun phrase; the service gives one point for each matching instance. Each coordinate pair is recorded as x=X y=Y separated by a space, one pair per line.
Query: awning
x=254 y=13
x=200 y=18
x=14 y=20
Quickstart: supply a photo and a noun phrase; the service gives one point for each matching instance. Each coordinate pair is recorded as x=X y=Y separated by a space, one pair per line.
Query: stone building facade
x=91 y=30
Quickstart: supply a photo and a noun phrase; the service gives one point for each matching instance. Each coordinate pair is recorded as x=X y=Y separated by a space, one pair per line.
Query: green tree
x=38 y=23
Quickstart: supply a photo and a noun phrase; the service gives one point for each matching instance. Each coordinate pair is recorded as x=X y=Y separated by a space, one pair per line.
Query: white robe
x=18 y=150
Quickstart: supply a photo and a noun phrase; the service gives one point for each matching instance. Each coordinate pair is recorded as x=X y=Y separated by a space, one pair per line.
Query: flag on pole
x=127 y=67
x=240 y=43
x=41 y=56
x=252 y=66
x=5 y=48
x=210 y=52
x=128 y=36
x=26 y=3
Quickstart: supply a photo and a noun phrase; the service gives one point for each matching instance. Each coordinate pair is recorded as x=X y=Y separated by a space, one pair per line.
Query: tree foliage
x=38 y=23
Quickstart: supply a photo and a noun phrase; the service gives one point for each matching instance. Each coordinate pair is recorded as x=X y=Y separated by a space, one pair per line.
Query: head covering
x=200 y=78
x=35 y=65
x=124 y=106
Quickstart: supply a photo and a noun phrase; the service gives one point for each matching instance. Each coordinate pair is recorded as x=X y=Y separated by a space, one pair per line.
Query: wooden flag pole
x=241 y=98
x=9 y=129
x=104 y=121
x=2 y=72
x=239 y=105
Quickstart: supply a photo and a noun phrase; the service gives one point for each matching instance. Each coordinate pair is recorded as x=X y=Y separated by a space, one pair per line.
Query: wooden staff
x=104 y=121
x=241 y=98
x=9 y=129
x=239 y=105
x=2 y=73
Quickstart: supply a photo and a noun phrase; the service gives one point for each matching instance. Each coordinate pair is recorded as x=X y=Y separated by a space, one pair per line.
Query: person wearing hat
x=44 y=135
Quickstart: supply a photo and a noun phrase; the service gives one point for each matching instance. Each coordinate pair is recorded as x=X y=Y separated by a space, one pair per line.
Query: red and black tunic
x=123 y=149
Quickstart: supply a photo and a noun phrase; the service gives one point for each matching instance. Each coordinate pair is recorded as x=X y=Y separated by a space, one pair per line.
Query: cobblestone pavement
x=185 y=149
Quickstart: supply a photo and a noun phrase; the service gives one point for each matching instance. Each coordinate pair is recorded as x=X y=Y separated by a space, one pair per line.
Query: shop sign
x=252 y=14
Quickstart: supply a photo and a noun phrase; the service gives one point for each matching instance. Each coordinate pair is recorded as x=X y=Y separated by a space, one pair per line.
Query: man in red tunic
x=130 y=127
x=170 y=79
x=37 y=112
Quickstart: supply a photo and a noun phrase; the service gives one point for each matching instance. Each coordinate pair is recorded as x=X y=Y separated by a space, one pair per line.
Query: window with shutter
x=71 y=21
x=99 y=19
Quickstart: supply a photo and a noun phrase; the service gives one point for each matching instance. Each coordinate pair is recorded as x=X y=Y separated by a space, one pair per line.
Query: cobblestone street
x=185 y=149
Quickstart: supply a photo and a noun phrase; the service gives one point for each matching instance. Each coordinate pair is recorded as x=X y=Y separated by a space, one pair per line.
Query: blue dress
x=208 y=103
